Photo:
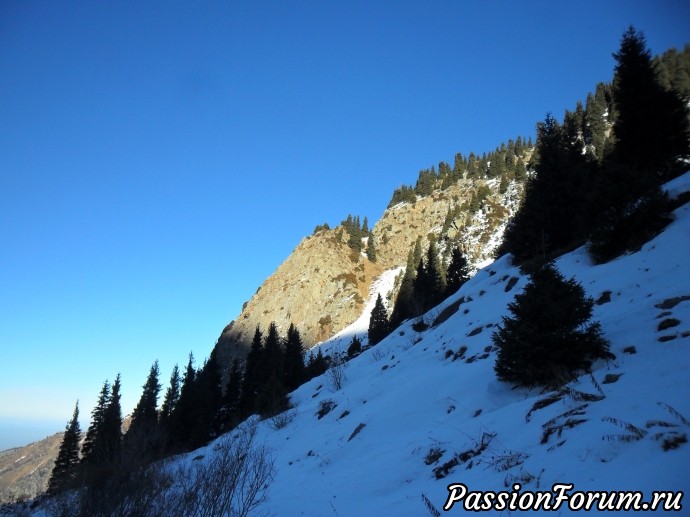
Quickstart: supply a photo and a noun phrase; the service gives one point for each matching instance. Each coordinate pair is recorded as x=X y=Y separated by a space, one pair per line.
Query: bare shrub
x=282 y=420
x=336 y=374
x=234 y=480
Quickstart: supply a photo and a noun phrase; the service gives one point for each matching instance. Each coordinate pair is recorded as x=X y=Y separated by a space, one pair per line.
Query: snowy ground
x=418 y=400
x=413 y=401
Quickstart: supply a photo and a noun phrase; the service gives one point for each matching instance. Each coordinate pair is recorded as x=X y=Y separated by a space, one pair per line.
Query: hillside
x=422 y=410
x=25 y=471
x=323 y=285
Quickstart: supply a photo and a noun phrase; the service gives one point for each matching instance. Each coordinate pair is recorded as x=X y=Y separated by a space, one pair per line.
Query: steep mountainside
x=422 y=410
x=25 y=471
x=321 y=288
x=323 y=285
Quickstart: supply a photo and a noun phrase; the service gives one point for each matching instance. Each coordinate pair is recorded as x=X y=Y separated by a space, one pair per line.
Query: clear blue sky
x=158 y=160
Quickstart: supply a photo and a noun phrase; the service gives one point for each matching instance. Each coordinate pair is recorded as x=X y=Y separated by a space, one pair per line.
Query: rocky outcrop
x=321 y=288
x=323 y=285
x=476 y=232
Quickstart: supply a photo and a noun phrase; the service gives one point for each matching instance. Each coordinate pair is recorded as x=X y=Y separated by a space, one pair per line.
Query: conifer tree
x=316 y=365
x=378 y=322
x=355 y=347
x=371 y=248
x=229 y=415
x=272 y=396
x=67 y=462
x=404 y=307
x=552 y=215
x=112 y=423
x=458 y=272
x=549 y=337
x=595 y=122
x=254 y=375
x=652 y=131
x=143 y=439
x=181 y=418
x=90 y=451
x=652 y=145
x=172 y=395
x=429 y=284
x=294 y=374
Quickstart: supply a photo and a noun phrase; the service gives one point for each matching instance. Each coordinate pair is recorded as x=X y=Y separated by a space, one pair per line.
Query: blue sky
x=158 y=160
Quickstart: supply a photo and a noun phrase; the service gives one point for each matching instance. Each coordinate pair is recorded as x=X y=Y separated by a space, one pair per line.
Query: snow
x=360 y=327
x=414 y=398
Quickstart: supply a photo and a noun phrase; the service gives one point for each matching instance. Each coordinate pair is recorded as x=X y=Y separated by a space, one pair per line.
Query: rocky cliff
x=323 y=285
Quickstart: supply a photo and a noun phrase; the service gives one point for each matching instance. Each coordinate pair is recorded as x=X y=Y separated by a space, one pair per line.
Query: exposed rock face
x=323 y=285
x=25 y=471
x=321 y=288
x=477 y=233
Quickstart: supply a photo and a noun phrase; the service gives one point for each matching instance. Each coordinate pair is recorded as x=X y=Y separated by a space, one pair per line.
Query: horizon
x=158 y=167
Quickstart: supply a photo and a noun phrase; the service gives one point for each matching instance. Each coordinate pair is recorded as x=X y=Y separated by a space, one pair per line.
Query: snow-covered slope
x=412 y=405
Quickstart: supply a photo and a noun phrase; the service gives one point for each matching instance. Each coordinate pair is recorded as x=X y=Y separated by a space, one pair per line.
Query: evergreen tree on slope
x=549 y=337
x=378 y=322
x=67 y=461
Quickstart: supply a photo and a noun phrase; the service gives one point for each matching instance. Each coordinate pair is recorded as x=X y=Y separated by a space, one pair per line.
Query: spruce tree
x=112 y=424
x=405 y=306
x=229 y=415
x=181 y=418
x=142 y=437
x=652 y=145
x=371 y=248
x=458 y=272
x=552 y=215
x=549 y=337
x=272 y=396
x=652 y=131
x=67 y=462
x=355 y=347
x=429 y=284
x=90 y=447
x=254 y=375
x=316 y=364
x=378 y=322
x=172 y=395
x=294 y=374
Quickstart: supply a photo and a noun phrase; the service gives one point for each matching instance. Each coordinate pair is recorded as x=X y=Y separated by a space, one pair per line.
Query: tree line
x=507 y=162
x=197 y=407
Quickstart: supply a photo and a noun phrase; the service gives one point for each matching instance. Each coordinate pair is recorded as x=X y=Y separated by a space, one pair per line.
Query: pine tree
x=458 y=272
x=371 y=248
x=378 y=322
x=272 y=396
x=316 y=364
x=229 y=415
x=429 y=284
x=355 y=347
x=172 y=395
x=90 y=450
x=67 y=462
x=405 y=306
x=208 y=397
x=254 y=375
x=595 y=122
x=112 y=424
x=652 y=130
x=552 y=215
x=652 y=145
x=549 y=337
x=142 y=441
x=181 y=418
x=294 y=374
